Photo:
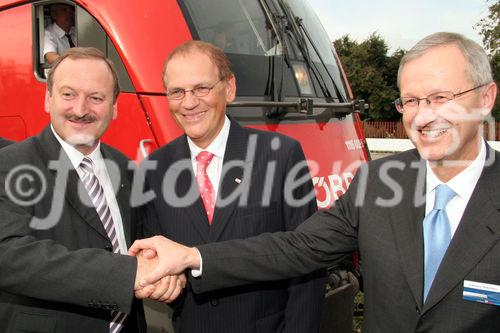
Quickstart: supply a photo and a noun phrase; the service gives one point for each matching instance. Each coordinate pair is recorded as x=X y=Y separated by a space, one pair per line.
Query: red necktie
x=204 y=184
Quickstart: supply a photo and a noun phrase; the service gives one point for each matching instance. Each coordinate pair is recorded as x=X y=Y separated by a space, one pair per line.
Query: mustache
x=88 y=118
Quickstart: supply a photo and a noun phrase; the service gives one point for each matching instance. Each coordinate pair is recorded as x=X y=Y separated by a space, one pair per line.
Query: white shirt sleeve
x=197 y=272
x=49 y=42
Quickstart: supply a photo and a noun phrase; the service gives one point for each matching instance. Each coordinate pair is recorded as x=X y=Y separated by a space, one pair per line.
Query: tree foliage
x=371 y=73
x=489 y=28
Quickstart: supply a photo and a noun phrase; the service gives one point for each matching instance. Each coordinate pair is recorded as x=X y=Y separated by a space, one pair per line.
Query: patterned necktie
x=96 y=194
x=207 y=192
x=437 y=235
x=70 y=41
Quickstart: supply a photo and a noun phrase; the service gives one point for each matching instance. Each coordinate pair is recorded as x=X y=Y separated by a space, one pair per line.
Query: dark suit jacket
x=5 y=142
x=63 y=279
x=270 y=307
x=390 y=240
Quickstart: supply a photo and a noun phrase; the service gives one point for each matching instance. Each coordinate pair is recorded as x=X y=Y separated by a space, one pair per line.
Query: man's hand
x=172 y=259
x=166 y=290
x=145 y=265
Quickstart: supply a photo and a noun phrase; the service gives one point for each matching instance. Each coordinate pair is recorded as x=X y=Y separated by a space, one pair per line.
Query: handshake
x=160 y=267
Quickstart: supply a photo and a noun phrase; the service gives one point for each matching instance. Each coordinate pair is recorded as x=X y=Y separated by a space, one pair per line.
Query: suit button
x=214 y=302
x=418 y=310
x=108 y=248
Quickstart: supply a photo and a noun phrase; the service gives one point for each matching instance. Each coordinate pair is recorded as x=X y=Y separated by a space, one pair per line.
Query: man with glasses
x=426 y=222
x=220 y=181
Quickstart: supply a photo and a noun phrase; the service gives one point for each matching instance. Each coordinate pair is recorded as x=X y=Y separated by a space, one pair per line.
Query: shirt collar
x=60 y=32
x=74 y=155
x=217 y=147
x=464 y=183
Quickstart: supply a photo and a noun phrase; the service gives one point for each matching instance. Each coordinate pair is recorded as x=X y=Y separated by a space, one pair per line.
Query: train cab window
x=60 y=33
x=56 y=32
x=86 y=31
x=243 y=29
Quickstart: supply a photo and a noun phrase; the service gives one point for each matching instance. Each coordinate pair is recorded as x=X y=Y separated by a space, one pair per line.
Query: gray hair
x=479 y=69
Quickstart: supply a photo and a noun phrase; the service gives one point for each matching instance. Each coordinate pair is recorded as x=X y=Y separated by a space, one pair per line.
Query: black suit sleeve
x=321 y=241
x=46 y=270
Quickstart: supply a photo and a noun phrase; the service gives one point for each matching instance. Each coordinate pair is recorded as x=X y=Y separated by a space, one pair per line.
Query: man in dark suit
x=426 y=221
x=5 y=142
x=234 y=201
x=62 y=249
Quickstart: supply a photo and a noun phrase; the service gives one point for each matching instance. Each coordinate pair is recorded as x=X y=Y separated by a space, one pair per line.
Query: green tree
x=371 y=73
x=392 y=65
x=489 y=28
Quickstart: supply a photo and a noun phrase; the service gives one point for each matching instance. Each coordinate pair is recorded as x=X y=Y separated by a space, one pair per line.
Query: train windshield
x=279 y=40
x=237 y=27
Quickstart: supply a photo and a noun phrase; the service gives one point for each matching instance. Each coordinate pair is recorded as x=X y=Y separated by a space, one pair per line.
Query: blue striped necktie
x=437 y=235
x=96 y=194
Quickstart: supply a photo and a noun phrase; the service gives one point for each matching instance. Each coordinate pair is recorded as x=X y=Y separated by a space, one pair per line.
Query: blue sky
x=400 y=22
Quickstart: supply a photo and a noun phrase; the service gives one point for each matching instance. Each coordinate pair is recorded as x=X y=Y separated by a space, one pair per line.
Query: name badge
x=482 y=292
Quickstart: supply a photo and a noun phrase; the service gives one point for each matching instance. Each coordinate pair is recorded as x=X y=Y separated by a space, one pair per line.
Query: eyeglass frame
x=398 y=103
x=193 y=91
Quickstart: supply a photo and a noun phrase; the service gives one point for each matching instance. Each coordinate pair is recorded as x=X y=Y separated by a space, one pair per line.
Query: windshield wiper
x=277 y=32
x=296 y=35
x=299 y=22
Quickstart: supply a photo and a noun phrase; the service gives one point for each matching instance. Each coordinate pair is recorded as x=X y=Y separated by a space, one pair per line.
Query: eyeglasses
x=409 y=104
x=200 y=91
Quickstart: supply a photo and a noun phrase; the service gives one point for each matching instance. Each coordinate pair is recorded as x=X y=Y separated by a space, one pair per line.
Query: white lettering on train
x=354 y=144
x=330 y=188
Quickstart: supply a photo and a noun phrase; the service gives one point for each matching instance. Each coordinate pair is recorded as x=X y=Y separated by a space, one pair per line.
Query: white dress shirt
x=102 y=175
x=217 y=148
x=55 y=41
x=462 y=184
x=214 y=169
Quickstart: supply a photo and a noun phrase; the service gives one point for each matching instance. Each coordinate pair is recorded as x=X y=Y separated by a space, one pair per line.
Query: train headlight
x=303 y=79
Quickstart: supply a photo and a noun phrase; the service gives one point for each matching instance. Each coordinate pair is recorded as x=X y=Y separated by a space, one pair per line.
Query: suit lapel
x=407 y=226
x=51 y=150
x=231 y=179
x=196 y=212
x=478 y=231
x=87 y=212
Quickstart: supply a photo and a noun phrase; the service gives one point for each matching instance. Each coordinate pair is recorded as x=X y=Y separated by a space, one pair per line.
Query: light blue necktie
x=437 y=235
